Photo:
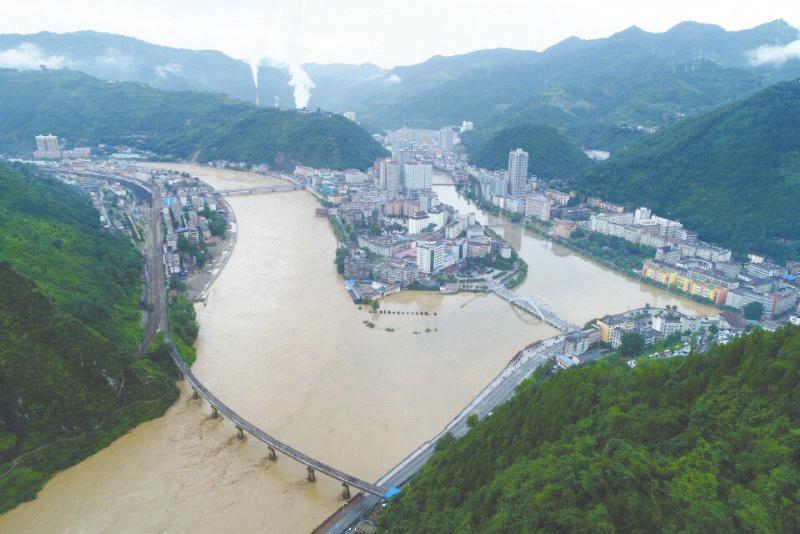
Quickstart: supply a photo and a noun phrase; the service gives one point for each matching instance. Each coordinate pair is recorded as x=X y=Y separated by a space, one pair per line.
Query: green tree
x=753 y=311
x=703 y=443
x=631 y=344
x=341 y=255
x=374 y=228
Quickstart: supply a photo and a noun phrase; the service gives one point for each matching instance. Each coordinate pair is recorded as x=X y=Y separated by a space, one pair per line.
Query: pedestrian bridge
x=535 y=305
x=260 y=190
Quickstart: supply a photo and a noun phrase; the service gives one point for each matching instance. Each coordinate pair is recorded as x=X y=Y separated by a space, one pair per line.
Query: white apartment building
x=417 y=223
x=438 y=217
x=517 y=171
x=537 y=206
x=430 y=256
x=417 y=176
x=47 y=147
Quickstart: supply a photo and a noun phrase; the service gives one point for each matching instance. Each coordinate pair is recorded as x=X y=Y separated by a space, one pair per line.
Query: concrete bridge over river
x=260 y=189
x=274 y=445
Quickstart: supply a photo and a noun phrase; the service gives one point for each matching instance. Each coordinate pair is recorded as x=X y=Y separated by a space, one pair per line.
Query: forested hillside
x=87 y=111
x=70 y=382
x=552 y=154
x=706 y=443
x=597 y=91
x=121 y=58
x=733 y=174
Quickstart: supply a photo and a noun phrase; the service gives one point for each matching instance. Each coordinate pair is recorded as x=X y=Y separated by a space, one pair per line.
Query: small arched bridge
x=535 y=305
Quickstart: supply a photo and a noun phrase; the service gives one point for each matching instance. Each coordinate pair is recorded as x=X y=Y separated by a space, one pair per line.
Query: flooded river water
x=282 y=343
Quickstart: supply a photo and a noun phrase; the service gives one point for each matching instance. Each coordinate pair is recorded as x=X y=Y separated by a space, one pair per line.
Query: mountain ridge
x=732 y=174
x=87 y=111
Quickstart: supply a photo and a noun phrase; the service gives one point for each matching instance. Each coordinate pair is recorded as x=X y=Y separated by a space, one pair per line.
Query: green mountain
x=87 y=111
x=334 y=82
x=706 y=443
x=70 y=322
x=274 y=88
x=552 y=154
x=595 y=90
x=117 y=57
x=733 y=174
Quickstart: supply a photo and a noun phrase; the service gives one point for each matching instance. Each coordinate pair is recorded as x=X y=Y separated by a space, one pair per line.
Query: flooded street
x=282 y=343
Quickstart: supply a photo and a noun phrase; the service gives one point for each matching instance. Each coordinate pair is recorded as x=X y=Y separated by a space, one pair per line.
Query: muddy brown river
x=282 y=343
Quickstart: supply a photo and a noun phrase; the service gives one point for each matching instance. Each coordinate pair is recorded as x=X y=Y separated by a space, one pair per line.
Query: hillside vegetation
x=188 y=125
x=706 y=443
x=69 y=327
x=597 y=91
x=552 y=155
x=118 y=57
x=733 y=174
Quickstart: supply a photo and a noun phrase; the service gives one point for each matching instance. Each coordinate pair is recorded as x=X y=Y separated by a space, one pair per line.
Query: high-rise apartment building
x=47 y=147
x=446 y=139
x=391 y=176
x=417 y=176
x=517 y=171
x=430 y=256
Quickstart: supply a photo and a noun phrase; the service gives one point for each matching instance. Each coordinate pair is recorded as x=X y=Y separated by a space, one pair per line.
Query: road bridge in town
x=535 y=305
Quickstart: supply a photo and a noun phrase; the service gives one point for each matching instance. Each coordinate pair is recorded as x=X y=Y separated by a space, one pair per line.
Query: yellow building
x=681 y=280
x=607 y=326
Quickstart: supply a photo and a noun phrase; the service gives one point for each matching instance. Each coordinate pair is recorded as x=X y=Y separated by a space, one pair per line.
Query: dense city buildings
x=403 y=235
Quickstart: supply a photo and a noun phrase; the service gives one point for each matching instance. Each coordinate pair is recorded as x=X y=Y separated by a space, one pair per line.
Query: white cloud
x=394 y=78
x=775 y=54
x=29 y=56
x=115 y=59
x=170 y=69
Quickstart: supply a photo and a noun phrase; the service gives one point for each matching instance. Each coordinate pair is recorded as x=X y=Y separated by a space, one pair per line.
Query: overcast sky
x=386 y=33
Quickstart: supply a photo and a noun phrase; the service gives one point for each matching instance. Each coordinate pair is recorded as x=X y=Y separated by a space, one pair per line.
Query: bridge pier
x=195 y=394
x=214 y=412
x=240 y=432
x=311 y=477
x=272 y=456
x=346 y=491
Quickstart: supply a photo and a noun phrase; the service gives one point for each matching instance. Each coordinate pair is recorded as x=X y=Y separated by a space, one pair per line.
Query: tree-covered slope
x=629 y=78
x=706 y=443
x=121 y=58
x=69 y=326
x=87 y=111
x=732 y=174
x=551 y=154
